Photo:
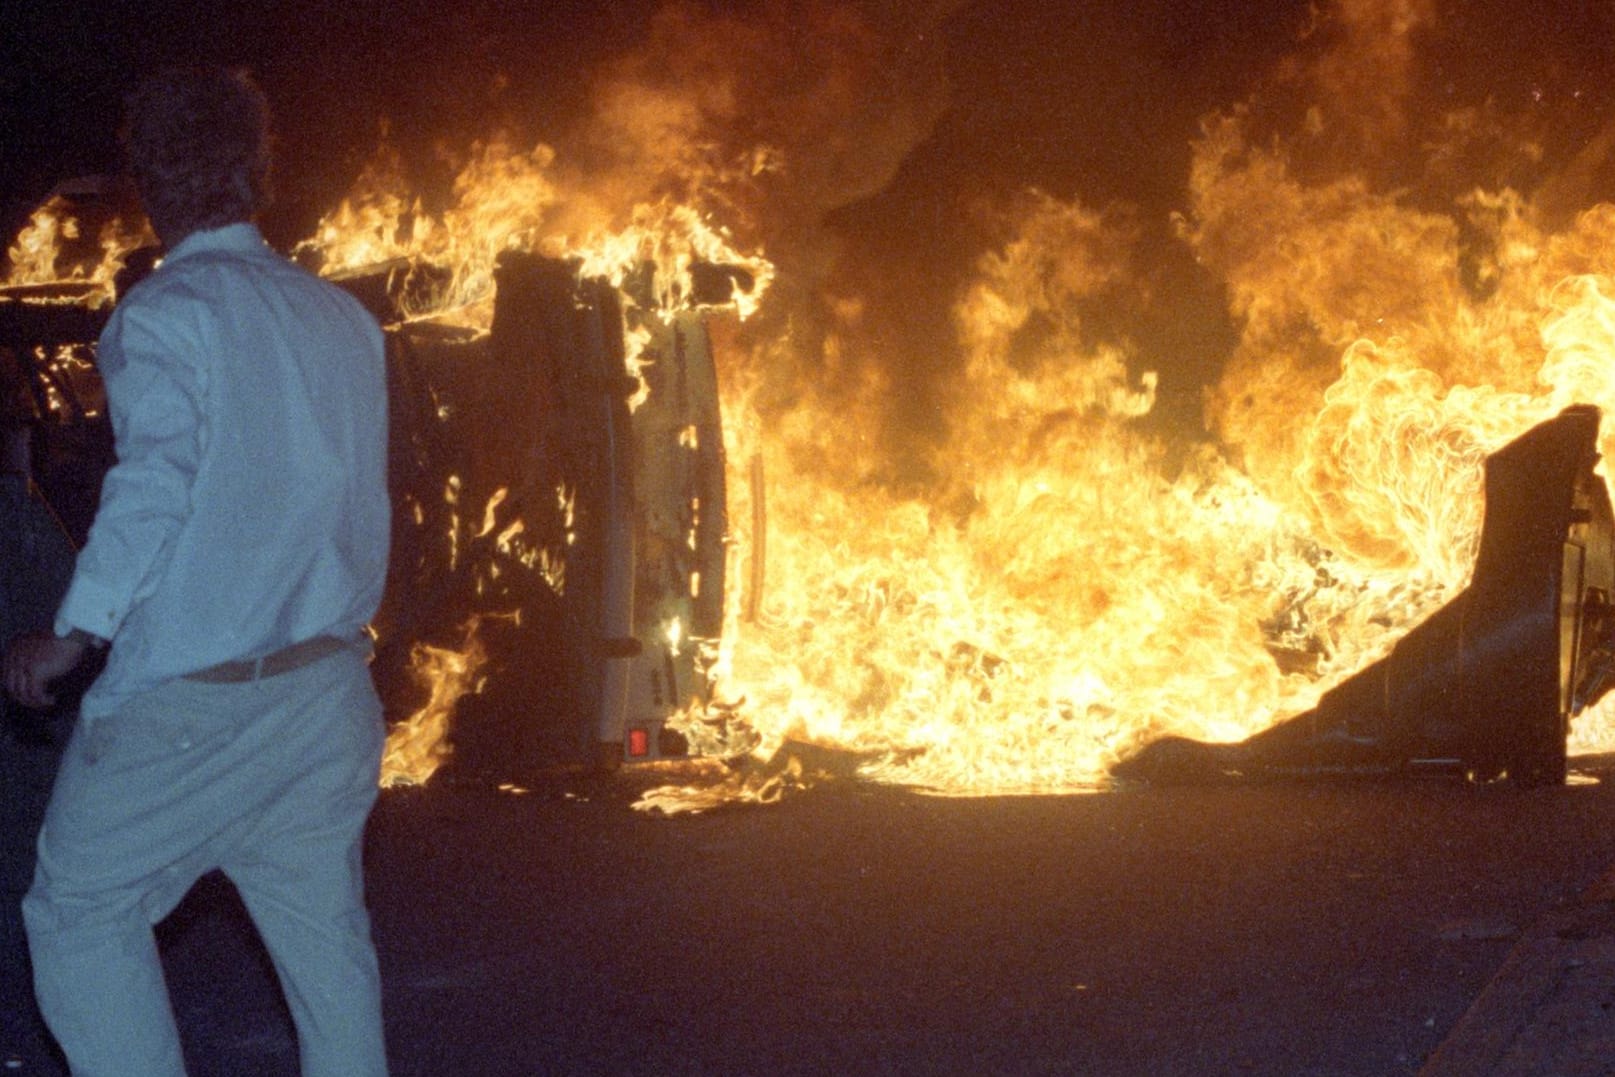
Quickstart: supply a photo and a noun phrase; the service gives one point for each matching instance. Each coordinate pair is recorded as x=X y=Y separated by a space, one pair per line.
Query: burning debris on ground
x=1486 y=687
x=688 y=457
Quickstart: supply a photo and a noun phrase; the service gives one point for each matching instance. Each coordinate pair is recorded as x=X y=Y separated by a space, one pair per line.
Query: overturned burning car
x=558 y=562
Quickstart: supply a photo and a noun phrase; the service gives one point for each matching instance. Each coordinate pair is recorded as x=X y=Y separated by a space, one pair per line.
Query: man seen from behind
x=237 y=555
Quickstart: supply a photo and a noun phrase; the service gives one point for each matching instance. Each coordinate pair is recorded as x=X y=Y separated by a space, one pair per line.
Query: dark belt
x=273 y=664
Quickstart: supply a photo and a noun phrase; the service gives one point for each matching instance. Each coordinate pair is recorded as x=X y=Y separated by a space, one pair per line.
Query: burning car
x=994 y=564
x=561 y=514
x=559 y=540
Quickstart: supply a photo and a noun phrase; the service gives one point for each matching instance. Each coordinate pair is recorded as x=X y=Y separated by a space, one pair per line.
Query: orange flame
x=505 y=199
x=1075 y=584
x=1074 y=581
x=419 y=744
x=53 y=249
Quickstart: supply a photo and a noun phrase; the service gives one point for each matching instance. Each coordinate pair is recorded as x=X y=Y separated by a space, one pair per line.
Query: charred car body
x=554 y=497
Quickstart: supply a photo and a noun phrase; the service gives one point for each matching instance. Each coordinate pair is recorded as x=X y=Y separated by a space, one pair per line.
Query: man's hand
x=33 y=660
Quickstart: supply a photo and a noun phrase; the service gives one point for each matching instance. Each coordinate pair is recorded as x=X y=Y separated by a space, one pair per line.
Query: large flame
x=1071 y=583
x=56 y=246
x=1060 y=577
x=1079 y=590
x=509 y=199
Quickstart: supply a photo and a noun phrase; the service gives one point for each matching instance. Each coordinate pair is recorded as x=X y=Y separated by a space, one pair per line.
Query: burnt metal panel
x=680 y=526
x=1486 y=686
x=510 y=480
x=616 y=480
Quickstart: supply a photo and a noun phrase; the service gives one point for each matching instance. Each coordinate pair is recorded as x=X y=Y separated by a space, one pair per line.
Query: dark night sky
x=1092 y=99
x=332 y=71
x=1103 y=96
x=1039 y=88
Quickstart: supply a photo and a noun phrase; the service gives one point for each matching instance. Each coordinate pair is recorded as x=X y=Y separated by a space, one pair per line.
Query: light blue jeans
x=270 y=781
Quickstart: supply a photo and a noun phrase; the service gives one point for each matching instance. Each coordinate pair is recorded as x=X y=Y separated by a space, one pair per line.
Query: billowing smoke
x=772 y=121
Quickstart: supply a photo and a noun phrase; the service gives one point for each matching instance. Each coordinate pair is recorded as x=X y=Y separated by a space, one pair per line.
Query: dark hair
x=197 y=143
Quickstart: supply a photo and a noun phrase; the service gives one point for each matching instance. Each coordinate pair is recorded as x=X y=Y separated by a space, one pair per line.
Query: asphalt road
x=1282 y=929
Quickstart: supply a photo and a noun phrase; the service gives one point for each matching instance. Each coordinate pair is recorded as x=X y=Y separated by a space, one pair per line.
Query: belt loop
x=257 y=668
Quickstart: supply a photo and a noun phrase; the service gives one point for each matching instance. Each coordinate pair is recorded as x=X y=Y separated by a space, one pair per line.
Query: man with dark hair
x=236 y=558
